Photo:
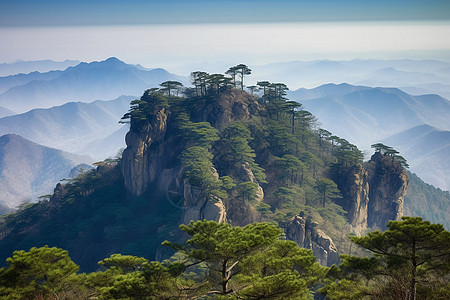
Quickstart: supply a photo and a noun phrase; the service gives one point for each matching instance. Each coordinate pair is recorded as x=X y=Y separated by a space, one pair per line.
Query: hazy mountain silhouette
x=29 y=170
x=73 y=126
x=365 y=116
x=25 y=67
x=330 y=89
x=85 y=82
x=427 y=150
x=4 y=112
x=431 y=76
x=21 y=79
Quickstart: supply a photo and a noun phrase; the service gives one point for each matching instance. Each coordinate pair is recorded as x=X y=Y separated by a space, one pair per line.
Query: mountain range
x=74 y=127
x=29 y=170
x=427 y=149
x=416 y=77
x=365 y=116
x=84 y=82
x=25 y=67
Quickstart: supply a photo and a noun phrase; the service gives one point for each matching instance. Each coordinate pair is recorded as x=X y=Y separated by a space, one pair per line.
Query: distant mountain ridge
x=4 y=112
x=363 y=113
x=365 y=116
x=412 y=76
x=29 y=170
x=73 y=126
x=25 y=67
x=84 y=82
x=427 y=149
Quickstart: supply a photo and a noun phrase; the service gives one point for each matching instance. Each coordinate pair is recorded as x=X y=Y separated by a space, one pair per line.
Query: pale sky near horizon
x=173 y=33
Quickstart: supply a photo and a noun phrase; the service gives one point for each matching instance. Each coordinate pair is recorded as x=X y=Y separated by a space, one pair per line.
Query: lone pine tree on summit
x=240 y=69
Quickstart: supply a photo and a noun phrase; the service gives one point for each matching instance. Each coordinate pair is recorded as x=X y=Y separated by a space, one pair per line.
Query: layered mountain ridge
x=29 y=170
x=366 y=116
x=86 y=82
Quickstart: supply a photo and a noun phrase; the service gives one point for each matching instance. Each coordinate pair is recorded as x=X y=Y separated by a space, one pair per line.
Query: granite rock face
x=373 y=194
x=354 y=185
x=307 y=235
x=388 y=185
x=152 y=149
x=143 y=159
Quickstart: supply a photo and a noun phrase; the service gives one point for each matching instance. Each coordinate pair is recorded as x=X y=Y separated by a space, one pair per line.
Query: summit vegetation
x=266 y=166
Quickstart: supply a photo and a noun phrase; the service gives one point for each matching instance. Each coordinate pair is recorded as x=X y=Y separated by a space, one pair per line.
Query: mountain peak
x=113 y=61
x=7 y=138
x=113 y=58
x=110 y=62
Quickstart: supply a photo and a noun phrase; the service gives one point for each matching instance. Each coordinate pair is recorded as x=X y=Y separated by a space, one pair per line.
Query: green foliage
x=198 y=165
x=124 y=263
x=92 y=209
x=426 y=201
x=137 y=278
x=348 y=154
x=234 y=144
x=242 y=70
x=411 y=261
x=222 y=246
x=199 y=134
x=282 y=271
x=144 y=108
x=243 y=262
x=281 y=139
x=233 y=149
x=289 y=198
x=171 y=85
x=251 y=262
x=197 y=159
x=290 y=167
x=389 y=151
x=327 y=190
x=248 y=190
x=41 y=271
x=227 y=182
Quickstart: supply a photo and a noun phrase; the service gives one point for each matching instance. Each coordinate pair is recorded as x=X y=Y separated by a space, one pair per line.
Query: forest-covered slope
x=217 y=153
x=29 y=170
x=426 y=201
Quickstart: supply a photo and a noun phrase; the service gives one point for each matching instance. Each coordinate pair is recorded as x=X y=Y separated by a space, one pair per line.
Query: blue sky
x=172 y=33
x=114 y=12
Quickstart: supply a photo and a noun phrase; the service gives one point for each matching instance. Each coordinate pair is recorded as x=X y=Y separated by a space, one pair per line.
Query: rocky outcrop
x=388 y=185
x=151 y=159
x=307 y=235
x=151 y=147
x=245 y=173
x=199 y=207
x=143 y=159
x=354 y=185
x=229 y=107
x=373 y=194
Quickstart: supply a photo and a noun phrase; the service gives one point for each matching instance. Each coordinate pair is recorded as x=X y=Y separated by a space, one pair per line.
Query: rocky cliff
x=307 y=235
x=151 y=158
x=373 y=193
x=147 y=153
x=152 y=163
x=388 y=182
